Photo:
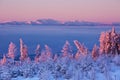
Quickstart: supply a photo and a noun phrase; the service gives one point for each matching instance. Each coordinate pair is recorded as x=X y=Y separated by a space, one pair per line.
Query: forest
x=102 y=63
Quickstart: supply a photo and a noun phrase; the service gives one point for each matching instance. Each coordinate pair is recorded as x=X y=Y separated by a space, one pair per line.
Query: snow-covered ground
x=113 y=73
x=63 y=68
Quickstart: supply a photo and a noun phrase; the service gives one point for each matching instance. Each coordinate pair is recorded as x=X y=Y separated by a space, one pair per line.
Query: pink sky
x=106 y=11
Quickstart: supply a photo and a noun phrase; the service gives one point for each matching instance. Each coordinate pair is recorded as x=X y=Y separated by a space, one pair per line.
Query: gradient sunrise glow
x=89 y=10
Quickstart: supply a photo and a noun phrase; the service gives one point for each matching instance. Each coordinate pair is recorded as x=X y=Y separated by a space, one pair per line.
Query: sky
x=106 y=11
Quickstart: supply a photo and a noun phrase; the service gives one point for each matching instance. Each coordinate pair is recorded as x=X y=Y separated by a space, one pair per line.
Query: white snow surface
x=99 y=70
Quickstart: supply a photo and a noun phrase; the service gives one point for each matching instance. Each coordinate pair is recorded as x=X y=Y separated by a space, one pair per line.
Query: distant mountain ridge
x=53 y=22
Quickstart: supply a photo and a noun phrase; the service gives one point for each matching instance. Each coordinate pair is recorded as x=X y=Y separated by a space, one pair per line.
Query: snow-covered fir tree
x=23 y=51
x=102 y=42
x=66 y=54
x=4 y=60
x=48 y=51
x=95 y=52
x=82 y=50
x=37 y=53
x=67 y=49
x=55 y=57
x=11 y=50
x=110 y=42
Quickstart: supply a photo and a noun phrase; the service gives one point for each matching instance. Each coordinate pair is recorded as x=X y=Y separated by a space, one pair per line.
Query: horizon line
x=61 y=21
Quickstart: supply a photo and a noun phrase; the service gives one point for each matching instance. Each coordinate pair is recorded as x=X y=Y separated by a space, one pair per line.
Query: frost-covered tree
x=37 y=52
x=110 y=42
x=119 y=46
x=55 y=57
x=115 y=39
x=66 y=53
x=65 y=67
x=11 y=50
x=67 y=50
x=82 y=50
x=102 y=42
x=48 y=51
x=95 y=52
x=77 y=55
x=23 y=51
x=3 y=61
x=43 y=57
x=46 y=54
